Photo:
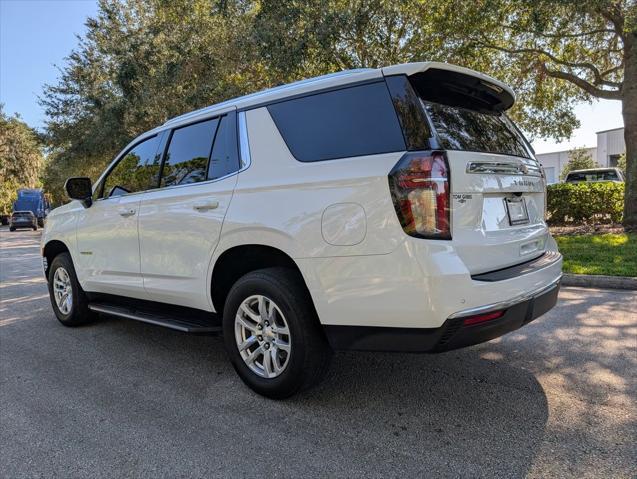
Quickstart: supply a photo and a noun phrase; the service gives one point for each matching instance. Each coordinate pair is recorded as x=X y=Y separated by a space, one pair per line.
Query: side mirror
x=80 y=188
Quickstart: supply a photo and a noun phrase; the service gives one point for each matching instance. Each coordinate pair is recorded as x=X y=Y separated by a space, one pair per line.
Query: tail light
x=419 y=185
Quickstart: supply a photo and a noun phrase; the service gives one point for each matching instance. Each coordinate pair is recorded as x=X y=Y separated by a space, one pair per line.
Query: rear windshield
x=608 y=175
x=469 y=130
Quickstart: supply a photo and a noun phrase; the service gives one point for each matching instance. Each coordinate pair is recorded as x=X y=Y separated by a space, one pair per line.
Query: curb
x=599 y=281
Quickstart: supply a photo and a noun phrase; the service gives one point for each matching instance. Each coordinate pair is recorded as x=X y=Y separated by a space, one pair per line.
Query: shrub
x=580 y=203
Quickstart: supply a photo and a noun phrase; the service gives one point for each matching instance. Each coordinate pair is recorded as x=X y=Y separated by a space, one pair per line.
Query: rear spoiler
x=456 y=86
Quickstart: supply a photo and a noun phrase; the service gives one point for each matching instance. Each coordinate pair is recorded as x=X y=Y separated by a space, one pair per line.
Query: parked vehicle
x=595 y=174
x=395 y=209
x=34 y=200
x=23 y=219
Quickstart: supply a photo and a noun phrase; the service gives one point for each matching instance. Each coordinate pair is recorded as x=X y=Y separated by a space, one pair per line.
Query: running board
x=200 y=322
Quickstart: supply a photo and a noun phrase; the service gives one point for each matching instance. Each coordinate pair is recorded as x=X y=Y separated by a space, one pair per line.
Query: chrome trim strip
x=508 y=303
x=502 y=168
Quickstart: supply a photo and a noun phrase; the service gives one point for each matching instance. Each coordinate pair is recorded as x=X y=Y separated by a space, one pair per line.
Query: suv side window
x=352 y=121
x=225 y=152
x=189 y=149
x=136 y=171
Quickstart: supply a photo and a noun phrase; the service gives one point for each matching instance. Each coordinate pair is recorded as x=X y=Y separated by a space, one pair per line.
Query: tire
x=308 y=356
x=35 y=228
x=77 y=312
x=11 y=229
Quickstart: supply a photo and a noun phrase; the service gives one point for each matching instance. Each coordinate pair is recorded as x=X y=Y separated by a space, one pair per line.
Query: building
x=610 y=145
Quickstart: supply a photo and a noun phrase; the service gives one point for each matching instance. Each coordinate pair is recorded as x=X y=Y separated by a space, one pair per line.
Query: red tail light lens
x=419 y=185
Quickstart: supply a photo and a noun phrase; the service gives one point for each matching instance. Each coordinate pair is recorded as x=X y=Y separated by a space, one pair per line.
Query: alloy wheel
x=63 y=290
x=262 y=336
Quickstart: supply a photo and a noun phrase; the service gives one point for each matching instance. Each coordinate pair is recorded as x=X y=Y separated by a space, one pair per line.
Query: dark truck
x=33 y=199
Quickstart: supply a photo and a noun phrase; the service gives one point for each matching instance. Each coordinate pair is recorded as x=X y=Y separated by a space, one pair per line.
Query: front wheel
x=69 y=301
x=272 y=334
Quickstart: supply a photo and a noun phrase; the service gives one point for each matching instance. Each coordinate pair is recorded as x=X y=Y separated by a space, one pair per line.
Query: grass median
x=613 y=254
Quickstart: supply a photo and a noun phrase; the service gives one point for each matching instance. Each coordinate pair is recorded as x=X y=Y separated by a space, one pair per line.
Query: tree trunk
x=629 y=111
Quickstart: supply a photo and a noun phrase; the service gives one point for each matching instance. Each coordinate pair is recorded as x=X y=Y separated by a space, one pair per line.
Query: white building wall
x=610 y=143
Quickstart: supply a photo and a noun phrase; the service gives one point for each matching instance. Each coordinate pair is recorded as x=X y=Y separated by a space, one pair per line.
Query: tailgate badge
x=462 y=198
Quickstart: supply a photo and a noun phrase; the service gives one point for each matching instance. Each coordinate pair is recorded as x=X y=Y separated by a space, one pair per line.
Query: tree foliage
x=143 y=61
x=20 y=159
x=621 y=162
x=578 y=159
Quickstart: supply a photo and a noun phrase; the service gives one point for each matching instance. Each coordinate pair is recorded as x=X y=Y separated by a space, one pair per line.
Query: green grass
x=611 y=254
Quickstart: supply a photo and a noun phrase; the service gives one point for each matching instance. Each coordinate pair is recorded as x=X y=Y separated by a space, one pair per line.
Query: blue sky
x=36 y=35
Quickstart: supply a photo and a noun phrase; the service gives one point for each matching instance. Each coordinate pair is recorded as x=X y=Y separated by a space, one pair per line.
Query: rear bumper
x=454 y=333
x=22 y=224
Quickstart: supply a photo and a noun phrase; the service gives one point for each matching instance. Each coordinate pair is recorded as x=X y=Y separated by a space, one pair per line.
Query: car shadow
x=394 y=412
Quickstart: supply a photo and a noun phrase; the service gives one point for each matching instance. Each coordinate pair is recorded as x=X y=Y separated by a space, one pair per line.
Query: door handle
x=126 y=212
x=206 y=205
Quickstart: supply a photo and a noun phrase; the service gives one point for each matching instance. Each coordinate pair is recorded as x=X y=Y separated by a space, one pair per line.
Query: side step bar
x=202 y=323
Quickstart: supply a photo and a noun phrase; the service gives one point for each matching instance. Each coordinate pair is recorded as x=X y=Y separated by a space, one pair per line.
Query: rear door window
x=352 y=121
x=189 y=148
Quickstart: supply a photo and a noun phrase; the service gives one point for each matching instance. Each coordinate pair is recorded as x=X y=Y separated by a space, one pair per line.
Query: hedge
x=580 y=203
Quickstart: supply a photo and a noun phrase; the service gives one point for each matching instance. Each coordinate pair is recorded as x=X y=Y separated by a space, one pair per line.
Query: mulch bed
x=586 y=230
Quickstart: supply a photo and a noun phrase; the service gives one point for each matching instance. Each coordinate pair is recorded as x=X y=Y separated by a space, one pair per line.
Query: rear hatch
x=496 y=187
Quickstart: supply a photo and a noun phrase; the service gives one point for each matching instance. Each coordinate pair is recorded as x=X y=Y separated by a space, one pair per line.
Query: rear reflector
x=419 y=185
x=482 y=318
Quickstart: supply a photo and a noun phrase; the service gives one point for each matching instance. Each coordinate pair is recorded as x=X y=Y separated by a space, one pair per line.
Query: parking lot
x=125 y=399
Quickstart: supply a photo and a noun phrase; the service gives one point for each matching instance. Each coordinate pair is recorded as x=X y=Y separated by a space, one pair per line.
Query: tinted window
x=353 y=121
x=136 y=171
x=603 y=175
x=464 y=129
x=410 y=113
x=225 y=153
x=186 y=160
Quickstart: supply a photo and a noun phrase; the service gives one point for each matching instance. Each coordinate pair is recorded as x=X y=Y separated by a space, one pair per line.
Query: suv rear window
x=353 y=121
x=599 y=175
x=469 y=130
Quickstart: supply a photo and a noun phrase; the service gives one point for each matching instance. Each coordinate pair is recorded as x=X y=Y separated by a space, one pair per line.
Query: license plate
x=516 y=208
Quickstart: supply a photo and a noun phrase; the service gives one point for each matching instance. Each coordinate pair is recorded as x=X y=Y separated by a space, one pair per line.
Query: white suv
x=392 y=209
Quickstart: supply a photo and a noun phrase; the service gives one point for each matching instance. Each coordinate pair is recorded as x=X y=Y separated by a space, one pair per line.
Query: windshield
x=469 y=130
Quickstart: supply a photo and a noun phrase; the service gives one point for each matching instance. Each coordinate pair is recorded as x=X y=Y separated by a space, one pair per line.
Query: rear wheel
x=35 y=228
x=11 y=229
x=69 y=302
x=272 y=334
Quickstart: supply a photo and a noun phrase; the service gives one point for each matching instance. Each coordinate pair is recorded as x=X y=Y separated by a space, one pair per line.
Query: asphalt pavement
x=119 y=398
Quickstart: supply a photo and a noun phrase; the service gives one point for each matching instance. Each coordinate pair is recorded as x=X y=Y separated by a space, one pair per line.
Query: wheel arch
x=239 y=260
x=51 y=250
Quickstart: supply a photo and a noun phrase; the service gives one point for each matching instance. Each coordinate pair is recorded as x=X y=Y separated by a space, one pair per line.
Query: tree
x=20 y=159
x=621 y=162
x=143 y=61
x=578 y=159
x=140 y=63
x=554 y=53
x=587 y=50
